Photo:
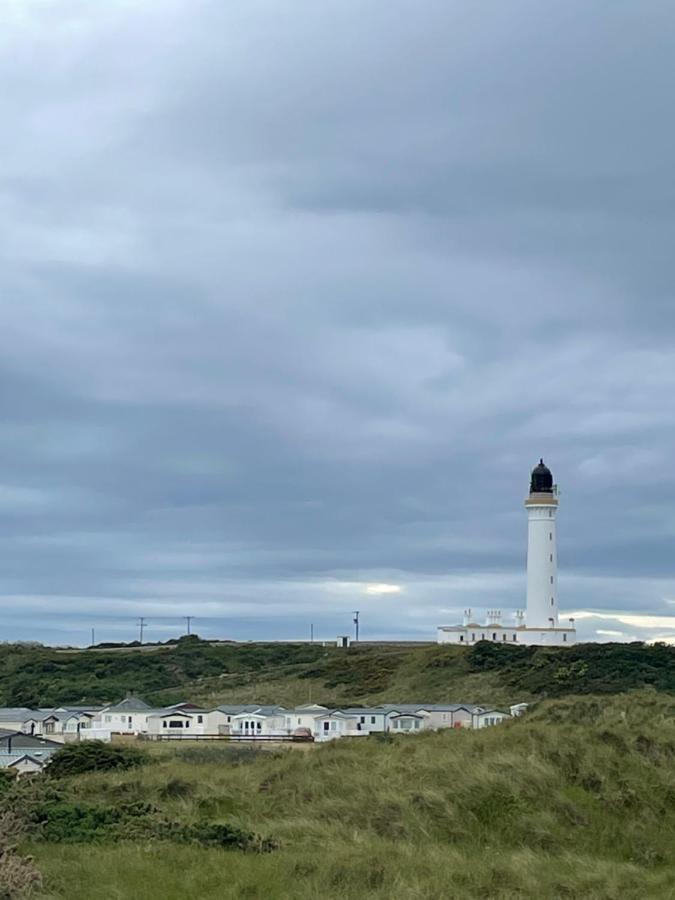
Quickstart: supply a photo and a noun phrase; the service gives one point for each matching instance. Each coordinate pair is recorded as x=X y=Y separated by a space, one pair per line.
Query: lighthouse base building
x=497 y=632
x=540 y=623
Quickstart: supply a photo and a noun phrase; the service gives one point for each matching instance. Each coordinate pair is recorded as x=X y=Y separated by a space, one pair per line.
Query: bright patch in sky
x=383 y=589
x=636 y=620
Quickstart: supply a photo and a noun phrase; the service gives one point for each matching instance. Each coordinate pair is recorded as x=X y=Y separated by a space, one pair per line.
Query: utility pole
x=188 y=619
x=93 y=637
x=141 y=625
x=356 y=625
x=311 y=634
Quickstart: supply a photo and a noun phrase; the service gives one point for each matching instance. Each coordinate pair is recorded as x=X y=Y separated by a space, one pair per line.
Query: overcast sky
x=294 y=295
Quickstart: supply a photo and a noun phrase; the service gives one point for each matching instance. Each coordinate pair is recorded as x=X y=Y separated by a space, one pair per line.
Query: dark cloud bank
x=292 y=297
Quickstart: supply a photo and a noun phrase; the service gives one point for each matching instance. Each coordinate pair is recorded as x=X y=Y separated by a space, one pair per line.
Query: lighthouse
x=542 y=551
x=540 y=624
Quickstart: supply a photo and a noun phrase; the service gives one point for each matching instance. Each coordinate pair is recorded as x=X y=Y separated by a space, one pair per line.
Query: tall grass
x=578 y=801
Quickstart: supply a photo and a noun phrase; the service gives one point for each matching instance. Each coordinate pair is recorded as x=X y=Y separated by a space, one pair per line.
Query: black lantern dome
x=541 y=481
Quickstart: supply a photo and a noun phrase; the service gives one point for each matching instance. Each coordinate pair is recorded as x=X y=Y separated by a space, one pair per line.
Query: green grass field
x=577 y=800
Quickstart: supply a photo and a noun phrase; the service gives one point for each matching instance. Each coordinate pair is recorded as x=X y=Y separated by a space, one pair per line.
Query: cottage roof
x=407 y=715
x=26 y=756
x=234 y=709
x=428 y=707
x=20 y=739
x=16 y=714
x=337 y=713
x=168 y=713
x=261 y=711
x=129 y=704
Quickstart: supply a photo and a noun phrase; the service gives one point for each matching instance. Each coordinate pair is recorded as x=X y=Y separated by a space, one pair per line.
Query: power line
x=141 y=625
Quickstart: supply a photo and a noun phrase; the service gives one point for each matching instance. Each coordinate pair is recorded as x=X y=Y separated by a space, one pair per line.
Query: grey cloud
x=292 y=299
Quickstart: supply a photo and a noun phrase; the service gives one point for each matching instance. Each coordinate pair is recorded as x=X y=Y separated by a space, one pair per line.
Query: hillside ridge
x=289 y=674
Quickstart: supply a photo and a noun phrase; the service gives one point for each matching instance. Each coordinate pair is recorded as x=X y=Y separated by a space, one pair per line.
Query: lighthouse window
x=550 y=535
x=551 y=579
x=494 y=636
x=552 y=601
x=550 y=513
x=551 y=559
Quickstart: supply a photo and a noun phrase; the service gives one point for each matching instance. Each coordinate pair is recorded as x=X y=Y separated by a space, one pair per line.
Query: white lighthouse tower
x=540 y=624
x=542 y=553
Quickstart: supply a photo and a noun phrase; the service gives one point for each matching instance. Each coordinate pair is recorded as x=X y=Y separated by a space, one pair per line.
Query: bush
x=59 y=820
x=94 y=756
x=7 y=779
x=208 y=834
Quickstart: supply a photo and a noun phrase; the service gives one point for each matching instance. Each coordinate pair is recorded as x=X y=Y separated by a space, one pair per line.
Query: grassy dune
x=576 y=801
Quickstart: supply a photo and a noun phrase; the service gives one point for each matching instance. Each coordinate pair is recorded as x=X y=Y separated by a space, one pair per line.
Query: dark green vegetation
x=94 y=756
x=294 y=673
x=576 y=801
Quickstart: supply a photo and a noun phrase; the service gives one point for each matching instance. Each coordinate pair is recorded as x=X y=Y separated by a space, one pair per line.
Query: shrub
x=60 y=821
x=7 y=779
x=208 y=834
x=94 y=756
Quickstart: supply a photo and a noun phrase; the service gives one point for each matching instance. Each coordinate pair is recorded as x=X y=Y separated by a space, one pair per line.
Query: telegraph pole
x=356 y=624
x=188 y=619
x=141 y=625
x=311 y=634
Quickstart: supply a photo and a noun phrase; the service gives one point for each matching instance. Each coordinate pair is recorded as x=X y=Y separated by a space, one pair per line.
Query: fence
x=234 y=738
